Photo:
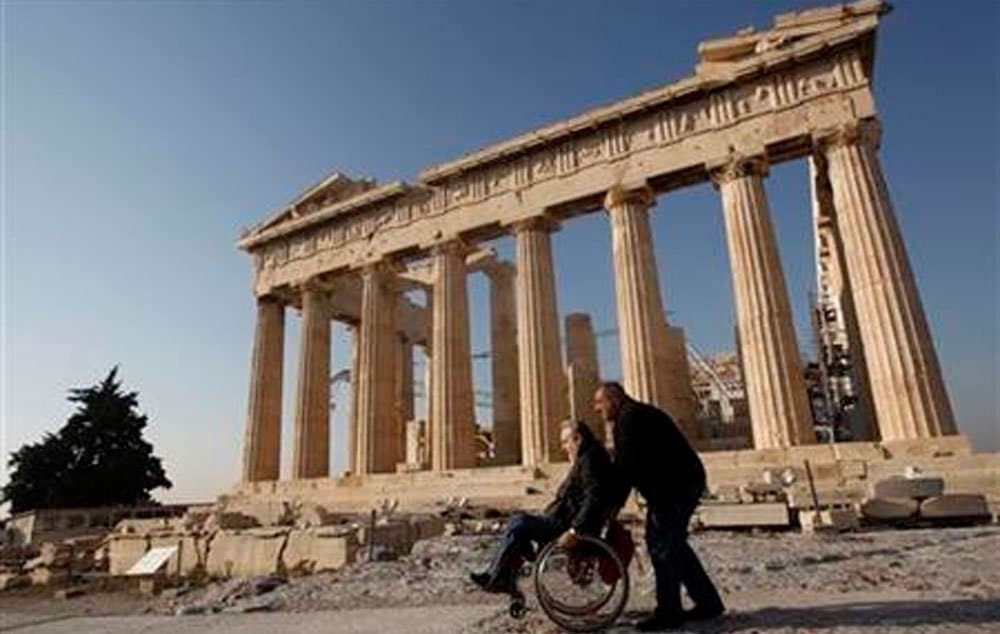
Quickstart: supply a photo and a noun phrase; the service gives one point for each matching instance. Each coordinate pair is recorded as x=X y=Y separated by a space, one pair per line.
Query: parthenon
x=353 y=250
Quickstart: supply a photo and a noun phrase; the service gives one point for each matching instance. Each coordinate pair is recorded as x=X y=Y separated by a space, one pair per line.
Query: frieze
x=656 y=127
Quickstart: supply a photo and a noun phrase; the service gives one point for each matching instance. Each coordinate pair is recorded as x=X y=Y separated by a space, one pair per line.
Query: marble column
x=908 y=389
x=583 y=372
x=353 y=448
x=262 y=444
x=834 y=292
x=775 y=387
x=378 y=426
x=642 y=323
x=503 y=343
x=404 y=391
x=452 y=414
x=311 y=455
x=542 y=382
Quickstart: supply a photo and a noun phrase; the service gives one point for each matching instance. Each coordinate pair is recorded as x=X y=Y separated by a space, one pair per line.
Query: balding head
x=608 y=400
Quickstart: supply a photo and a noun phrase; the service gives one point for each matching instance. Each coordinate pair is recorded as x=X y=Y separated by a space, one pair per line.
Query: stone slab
x=836 y=520
x=124 y=550
x=957 y=445
x=900 y=487
x=773 y=514
x=310 y=551
x=246 y=553
x=191 y=555
x=889 y=509
x=956 y=505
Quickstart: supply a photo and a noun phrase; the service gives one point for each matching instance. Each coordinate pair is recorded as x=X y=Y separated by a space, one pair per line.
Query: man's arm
x=594 y=483
x=626 y=461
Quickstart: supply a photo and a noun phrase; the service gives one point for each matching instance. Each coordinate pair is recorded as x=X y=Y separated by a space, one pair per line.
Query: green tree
x=98 y=458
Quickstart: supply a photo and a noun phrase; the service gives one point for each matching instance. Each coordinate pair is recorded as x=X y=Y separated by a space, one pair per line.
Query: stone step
x=771 y=514
x=900 y=487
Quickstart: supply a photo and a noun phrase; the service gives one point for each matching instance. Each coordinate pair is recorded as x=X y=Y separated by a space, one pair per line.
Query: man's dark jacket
x=654 y=457
x=583 y=499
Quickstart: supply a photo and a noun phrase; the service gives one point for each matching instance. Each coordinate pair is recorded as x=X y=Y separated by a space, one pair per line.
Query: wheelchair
x=582 y=589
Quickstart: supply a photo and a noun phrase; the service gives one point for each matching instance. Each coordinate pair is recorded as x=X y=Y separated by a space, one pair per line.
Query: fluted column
x=542 y=382
x=583 y=371
x=452 y=417
x=503 y=343
x=377 y=417
x=353 y=444
x=311 y=456
x=404 y=392
x=775 y=387
x=262 y=443
x=642 y=324
x=909 y=395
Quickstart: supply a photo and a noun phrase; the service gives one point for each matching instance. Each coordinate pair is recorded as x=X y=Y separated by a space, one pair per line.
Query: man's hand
x=568 y=540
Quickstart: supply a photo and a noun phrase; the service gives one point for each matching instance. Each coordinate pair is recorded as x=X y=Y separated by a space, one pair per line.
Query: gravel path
x=934 y=581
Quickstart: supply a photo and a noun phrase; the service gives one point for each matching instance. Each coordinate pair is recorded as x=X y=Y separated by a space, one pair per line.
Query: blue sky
x=140 y=137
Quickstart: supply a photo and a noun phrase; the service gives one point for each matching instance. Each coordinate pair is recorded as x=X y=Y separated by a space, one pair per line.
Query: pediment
x=717 y=56
x=334 y=189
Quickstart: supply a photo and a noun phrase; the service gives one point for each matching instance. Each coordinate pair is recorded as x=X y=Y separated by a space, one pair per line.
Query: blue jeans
x=674 y=562
x=522 y=530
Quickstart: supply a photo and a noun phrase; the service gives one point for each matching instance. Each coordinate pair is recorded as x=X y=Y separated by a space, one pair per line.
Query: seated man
x=581 y=507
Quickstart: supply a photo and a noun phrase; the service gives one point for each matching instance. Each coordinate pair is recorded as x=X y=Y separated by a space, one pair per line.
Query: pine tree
x=98 y=458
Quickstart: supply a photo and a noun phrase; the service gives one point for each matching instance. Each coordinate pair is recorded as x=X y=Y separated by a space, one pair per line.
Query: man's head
x=608 y=400
x=574 y=435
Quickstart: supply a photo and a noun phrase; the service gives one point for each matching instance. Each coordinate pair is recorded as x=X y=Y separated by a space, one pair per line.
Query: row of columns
x=907 y=387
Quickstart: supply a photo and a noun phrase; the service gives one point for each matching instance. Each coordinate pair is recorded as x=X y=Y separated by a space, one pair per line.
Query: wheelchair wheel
x=583 y=589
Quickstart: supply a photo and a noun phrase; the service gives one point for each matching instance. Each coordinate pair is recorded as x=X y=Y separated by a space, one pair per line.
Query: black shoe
x=660 y=623
x=481 y=579
x=703 y=613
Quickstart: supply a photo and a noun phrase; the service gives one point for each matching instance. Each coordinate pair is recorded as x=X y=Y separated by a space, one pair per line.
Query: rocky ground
x=931 y=580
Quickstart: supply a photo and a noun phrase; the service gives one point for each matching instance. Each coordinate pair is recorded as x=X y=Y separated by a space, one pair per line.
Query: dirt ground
x=928 y=580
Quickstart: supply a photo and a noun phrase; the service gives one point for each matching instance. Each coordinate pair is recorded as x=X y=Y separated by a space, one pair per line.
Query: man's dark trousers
x=673 y=559
x=522 y=530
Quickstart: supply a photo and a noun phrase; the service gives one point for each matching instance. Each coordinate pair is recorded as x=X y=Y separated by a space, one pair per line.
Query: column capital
x=271 y=298
x=858 y=132
x=536 y=223
x=455 y=246
x=738 y=166
x=499 y=268
x=618 y=195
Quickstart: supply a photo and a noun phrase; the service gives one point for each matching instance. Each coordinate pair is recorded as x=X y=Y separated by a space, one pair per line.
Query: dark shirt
x=583 y=499
x=654 y=457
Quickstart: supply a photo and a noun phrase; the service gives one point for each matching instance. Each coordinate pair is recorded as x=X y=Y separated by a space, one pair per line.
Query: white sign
x=153 y=560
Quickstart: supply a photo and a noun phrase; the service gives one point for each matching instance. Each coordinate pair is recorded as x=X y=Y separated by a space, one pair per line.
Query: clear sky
x=140 y=137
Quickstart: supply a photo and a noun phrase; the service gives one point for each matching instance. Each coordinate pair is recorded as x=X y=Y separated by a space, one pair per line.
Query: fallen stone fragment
x=955 y=505
x=889 y=509
x=915 y=488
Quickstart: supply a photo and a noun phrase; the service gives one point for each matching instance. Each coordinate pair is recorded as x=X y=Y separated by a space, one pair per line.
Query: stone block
x=761 y=492
x=833 y=520
x=227 y=520
x=865 y=451
x=900 y=487
x=889 y=509
x=45 y=576
x=743 y=515
x=314 y=516
x=246 y=553
x=11 y=580
x=124 y=550
x=313 y=551
x=800 y=497
x=957 y=445
x=955 y=505
x=191 y=555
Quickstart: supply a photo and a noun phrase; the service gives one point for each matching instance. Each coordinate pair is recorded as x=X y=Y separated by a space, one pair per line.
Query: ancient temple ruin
x=351 y=250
